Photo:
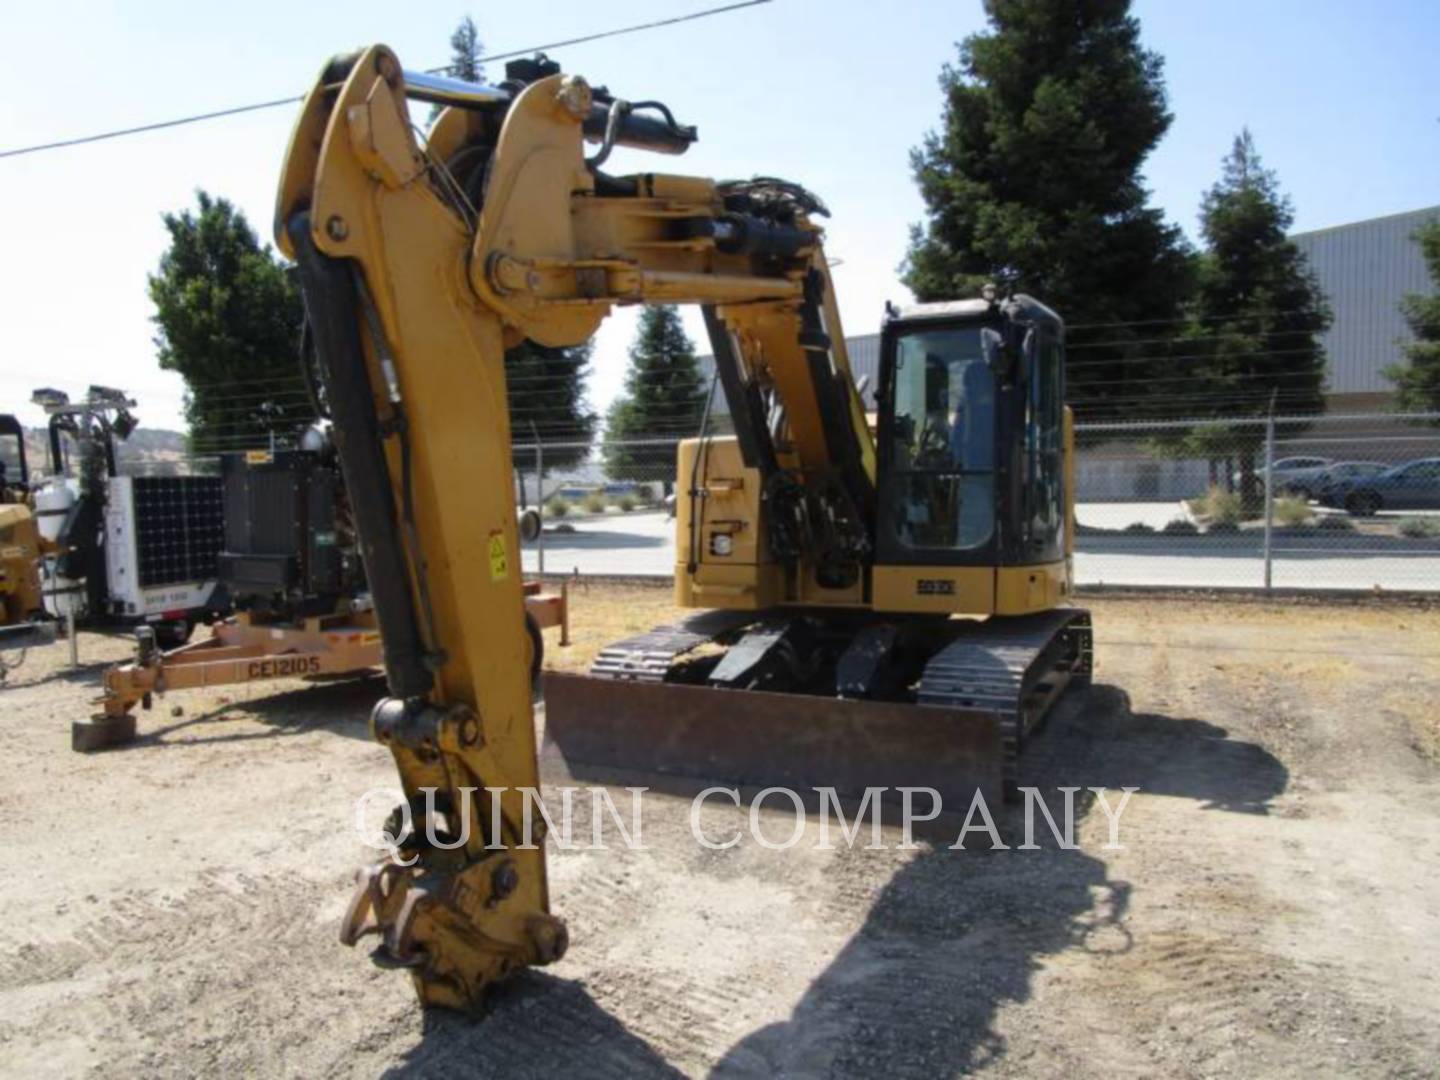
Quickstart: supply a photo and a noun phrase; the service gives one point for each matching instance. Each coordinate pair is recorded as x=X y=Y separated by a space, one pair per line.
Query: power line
x=276 y=102
x=157 y=126
x=609 y=34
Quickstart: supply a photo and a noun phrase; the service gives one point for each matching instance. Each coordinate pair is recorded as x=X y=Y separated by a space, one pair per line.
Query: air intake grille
x=179 y=525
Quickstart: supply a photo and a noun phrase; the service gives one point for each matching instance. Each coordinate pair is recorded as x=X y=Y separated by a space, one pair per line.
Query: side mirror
x=998 y=358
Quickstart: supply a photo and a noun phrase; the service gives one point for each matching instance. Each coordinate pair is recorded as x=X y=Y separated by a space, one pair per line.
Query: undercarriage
x=856 y=702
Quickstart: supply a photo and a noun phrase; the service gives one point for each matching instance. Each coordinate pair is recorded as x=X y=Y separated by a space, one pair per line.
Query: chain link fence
x=1318 y=502
x=1330 y=502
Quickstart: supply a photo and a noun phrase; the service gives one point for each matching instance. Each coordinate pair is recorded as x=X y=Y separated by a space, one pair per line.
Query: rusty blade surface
x=607 y=729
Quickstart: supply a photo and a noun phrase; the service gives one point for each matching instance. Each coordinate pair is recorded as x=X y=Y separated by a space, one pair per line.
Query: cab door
x=1039 y=491
x=938 y=463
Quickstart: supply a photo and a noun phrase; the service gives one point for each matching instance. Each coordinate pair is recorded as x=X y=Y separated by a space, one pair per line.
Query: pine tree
x=1254 y=348
x=664 y=398
x=1034 y=182
x=465 y=54
x=1417 y=382
x=228 y=315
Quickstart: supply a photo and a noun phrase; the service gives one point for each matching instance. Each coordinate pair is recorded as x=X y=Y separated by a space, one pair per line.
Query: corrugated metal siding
x=864 y=351
x=1365 y=268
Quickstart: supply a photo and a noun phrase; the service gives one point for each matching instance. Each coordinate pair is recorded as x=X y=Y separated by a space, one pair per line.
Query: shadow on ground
x=340 y=705
x=585 y=537
x=950 y=940
x=535 y=1025
x=956 y=935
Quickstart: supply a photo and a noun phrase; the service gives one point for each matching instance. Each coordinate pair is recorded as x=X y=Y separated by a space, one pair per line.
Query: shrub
x=626 y=503
x=1139 y=527
x=1216 y=528
x=1221 y=505
x=595 y=503
x=1335 y=523
x=1291 y=510
x=557 y=507
x=1181 y=527
x=1419 y=528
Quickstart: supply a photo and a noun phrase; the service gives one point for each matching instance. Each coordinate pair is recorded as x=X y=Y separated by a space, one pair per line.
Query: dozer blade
x=610 y=729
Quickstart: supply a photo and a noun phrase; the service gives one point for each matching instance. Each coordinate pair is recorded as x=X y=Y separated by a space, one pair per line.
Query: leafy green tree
x=1417 y=382
x=547 y=393
x=664 y=398
x=1254 y=348
x=1033 y=182
x=228 y=315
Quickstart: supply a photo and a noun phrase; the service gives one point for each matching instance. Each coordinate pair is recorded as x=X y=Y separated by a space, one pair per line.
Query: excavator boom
x=421 y=263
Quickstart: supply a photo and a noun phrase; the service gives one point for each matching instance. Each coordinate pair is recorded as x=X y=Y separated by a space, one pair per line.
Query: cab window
x=942 y=441
x=1043 y=480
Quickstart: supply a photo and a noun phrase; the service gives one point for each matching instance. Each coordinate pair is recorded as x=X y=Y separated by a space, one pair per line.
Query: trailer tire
x=172 y=634
x=537 y=647
x=530 y=525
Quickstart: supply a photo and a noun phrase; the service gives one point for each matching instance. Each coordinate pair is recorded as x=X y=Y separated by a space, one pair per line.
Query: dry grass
x=1291 y=510
x=603 y=613
x=1337 y=636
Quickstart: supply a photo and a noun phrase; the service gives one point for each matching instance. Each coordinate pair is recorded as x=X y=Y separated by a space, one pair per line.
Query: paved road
x=644 y=544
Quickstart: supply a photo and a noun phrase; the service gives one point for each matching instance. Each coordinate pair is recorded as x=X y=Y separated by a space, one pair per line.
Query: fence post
x=539 y=500
x=1269 y=494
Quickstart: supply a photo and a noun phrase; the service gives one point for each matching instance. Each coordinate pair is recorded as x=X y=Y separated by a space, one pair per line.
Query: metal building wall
x=864 y=350
x=1365 y=268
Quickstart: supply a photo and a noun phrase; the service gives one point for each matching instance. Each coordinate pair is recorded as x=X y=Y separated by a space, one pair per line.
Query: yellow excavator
x=21 y=600
x=833 y=569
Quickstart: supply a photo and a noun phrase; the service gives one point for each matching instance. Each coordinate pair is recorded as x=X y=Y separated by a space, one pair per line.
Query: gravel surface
x=172 y=906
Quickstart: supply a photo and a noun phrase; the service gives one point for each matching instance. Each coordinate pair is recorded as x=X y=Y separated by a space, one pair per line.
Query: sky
x=1341 y=98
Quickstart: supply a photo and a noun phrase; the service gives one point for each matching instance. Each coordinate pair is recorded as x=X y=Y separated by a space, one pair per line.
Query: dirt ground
x=172 y=906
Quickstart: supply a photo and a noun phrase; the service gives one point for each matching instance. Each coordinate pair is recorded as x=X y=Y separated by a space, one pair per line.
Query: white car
x=1296 y=475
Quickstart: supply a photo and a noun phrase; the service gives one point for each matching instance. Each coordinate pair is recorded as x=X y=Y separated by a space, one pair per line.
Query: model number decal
x=284 y=665
x=934 y=587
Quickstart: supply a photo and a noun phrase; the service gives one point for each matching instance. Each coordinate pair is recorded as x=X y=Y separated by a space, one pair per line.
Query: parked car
x=1412 y=486
x=1294 y=474
x=1341 y=472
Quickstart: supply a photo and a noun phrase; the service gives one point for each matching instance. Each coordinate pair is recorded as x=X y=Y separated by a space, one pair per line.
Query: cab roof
x=1019 y=307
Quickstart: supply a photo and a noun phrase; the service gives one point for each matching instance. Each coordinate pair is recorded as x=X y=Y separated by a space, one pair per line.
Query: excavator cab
x=20 y=595
x=14 y=469
x=932 y=668
x=972 y=513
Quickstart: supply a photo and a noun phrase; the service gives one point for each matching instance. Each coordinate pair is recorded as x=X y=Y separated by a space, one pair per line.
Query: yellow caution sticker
x=499 y=560
x=258 y=457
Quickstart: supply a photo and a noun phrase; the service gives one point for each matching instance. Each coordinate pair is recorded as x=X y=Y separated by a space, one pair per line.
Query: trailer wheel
x=530 y=525
x=173 y=633
x=537 y=647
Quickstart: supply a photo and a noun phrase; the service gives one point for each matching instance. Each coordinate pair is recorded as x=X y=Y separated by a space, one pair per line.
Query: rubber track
x=998 y=665
x=648 y=657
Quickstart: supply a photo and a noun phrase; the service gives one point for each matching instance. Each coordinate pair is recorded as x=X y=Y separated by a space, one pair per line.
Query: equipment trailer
x=244 y=650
